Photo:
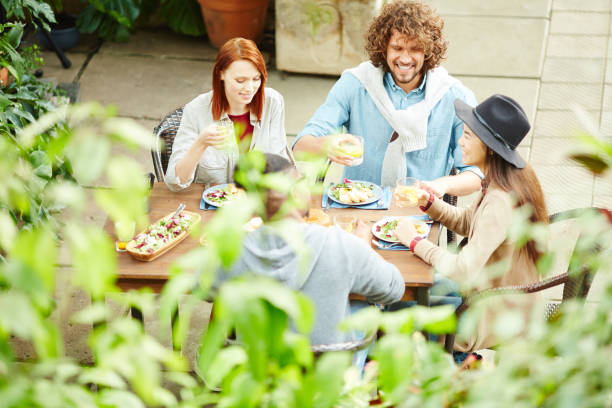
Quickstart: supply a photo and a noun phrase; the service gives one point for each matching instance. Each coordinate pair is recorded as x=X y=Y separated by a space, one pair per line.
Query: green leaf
x=14 y=35
x=102 y=376
x=223 y=363
x=48 y=341
x=38 y=251
x=596 y=164
x=9 y=231
x=327 y=380
x=97 y=312
x=184 y=17
x=94 y=260
x=88 y=154
x=17 y=315
x=119 y=398
x=394 y=354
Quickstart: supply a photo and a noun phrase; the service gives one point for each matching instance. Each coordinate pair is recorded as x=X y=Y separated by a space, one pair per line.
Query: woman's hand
x=422 y=198
x=362 y=230
x=437 y=187
x=211 y=136
x=405 y=231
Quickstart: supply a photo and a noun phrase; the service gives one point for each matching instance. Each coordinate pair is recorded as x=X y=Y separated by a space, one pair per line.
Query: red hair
x=234 y=50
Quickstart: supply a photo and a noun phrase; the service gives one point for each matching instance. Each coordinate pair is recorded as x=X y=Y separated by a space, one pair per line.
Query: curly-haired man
x=401 y=103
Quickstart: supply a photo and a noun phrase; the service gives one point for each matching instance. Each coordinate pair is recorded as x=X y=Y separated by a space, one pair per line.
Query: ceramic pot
x=4 y=77
x=225 y=19
x=64 y=33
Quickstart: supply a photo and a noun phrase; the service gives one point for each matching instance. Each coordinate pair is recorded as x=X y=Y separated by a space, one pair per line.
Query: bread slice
x=149 y=245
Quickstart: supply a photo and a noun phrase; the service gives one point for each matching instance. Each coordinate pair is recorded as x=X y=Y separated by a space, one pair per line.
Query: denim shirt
x=348 y=104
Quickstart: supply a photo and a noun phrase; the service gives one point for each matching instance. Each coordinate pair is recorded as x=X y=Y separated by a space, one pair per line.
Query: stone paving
x=549 y=55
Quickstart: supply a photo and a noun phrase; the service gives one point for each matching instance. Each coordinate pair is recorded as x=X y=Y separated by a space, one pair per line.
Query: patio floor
x=548 y=57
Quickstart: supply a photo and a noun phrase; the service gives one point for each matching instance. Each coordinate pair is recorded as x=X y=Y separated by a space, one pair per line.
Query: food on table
x=162 y=236
x=223 y=195
x=318 y=216
x=250 y=226
x=386 y=230
x=253 y=224
x=352 y=192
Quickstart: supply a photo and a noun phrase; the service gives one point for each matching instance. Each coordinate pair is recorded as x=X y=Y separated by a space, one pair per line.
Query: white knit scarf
x=410 y=123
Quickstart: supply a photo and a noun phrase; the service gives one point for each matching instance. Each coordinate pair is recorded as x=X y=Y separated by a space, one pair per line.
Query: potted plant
x=225 y=19
x=63 y=31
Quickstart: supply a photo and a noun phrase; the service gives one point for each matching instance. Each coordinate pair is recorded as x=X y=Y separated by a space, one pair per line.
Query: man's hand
x=334 y=150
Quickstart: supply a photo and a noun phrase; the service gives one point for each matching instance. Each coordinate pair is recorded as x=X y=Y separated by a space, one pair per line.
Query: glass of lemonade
x=125 y=232
x=406 y=192
x=226 y=128
x=350 y=145
x=346 y=222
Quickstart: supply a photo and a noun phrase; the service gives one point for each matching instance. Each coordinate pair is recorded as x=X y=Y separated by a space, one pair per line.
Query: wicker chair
x=319 y=349
x=164 y=138
x=576 y=284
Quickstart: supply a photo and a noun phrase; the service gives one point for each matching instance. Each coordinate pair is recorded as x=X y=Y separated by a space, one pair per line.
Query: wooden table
x=133 y=274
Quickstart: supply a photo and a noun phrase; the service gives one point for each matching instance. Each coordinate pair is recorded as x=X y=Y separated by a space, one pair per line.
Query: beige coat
x=488 y=260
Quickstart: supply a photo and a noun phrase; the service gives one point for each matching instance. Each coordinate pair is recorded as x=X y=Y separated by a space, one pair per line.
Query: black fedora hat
x=501 y=124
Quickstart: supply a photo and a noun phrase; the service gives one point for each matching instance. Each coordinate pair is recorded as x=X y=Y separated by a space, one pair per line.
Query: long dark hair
x=524 y=184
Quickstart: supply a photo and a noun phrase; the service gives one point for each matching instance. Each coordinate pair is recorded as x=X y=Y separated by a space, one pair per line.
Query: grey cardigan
x=216 y=166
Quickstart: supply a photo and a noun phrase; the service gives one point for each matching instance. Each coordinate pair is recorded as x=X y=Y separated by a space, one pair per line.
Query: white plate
x=210 y=190
x=378 y=234
x=376 y=190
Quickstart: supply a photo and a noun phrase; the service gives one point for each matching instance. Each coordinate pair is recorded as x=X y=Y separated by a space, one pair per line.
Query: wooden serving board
x=146 y=257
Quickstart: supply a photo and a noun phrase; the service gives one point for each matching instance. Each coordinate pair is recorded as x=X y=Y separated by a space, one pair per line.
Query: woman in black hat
x=492 y=132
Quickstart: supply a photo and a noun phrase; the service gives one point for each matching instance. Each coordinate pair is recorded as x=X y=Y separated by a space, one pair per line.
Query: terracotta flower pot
x=4 y=77
x=225 y=19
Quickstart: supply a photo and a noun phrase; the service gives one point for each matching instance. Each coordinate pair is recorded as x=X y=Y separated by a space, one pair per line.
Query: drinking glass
x=350 y=145
x=406 y=192
x=125 y=232
x=226 y=128
x=346 y=222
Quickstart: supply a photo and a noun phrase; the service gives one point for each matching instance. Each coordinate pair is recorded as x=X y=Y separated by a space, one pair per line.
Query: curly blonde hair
x=414 y=19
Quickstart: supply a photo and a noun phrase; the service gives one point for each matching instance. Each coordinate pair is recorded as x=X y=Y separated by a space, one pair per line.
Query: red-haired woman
x=200 y=151
x=492 y=131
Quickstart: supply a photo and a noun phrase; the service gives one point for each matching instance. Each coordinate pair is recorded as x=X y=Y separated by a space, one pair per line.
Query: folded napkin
x=386 y=196
x=400 y=247
x=205 y=206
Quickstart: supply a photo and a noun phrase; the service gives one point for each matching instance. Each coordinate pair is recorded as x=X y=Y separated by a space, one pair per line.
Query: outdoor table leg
x=423 y=300
x=136 y=313
x=423 y=296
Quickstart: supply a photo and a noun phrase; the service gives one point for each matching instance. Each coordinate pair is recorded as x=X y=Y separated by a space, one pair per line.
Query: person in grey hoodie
x=340 y=263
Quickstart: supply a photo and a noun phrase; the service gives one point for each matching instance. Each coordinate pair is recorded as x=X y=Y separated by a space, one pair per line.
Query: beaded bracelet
x=429 y=202
x=414 y=242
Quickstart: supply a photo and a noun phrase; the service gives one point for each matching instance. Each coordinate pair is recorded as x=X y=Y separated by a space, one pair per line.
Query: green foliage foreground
x=559 y=363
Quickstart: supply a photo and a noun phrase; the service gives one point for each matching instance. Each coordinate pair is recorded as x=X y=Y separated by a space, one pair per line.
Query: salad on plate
x=353 y=192
x=221 y=195
x=385 y=229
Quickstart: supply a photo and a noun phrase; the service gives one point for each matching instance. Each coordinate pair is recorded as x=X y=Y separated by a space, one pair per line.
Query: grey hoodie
x=339 y=264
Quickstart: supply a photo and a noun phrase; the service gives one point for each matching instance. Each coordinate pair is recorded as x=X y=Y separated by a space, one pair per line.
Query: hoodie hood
x=266 y=252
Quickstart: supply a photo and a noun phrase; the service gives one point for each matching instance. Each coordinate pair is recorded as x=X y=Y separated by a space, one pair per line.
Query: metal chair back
x=164 y=138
